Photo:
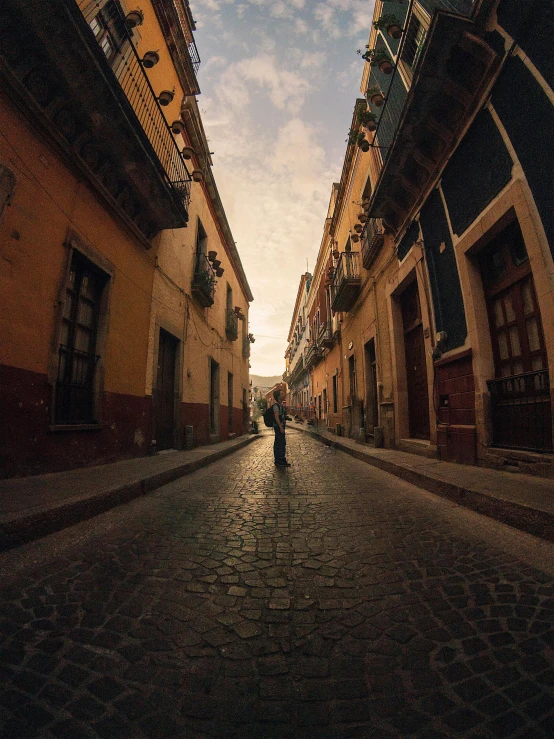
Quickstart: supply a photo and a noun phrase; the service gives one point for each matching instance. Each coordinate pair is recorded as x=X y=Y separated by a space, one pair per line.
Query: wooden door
x=165 y=391
x=416 y=368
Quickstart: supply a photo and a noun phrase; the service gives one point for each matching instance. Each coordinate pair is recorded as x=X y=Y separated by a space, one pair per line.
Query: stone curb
x=537 y=523
x=36 y=525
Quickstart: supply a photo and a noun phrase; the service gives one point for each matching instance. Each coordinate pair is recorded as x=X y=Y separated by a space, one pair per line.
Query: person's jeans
x=279 y=447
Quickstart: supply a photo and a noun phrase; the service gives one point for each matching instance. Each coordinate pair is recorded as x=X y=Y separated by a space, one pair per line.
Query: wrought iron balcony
x=522 y=411
x=203 y=282
x=245 y=346
x=314 y=353
x=72 y=68
x=373 y=237
x=325 y=335
x=346 y=282
x=231 y=324
x=452 y=67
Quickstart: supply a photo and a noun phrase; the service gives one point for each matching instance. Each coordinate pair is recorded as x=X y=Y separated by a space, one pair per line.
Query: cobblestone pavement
x=327 y=600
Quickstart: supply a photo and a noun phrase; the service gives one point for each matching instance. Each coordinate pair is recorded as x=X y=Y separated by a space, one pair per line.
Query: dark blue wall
x=478 y=170
x=443 y=272
x=528 y=117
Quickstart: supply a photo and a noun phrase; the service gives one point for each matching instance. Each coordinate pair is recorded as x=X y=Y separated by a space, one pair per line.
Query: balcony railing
x=107 y=24
x=346 y=282
x=231 y=325
x=372 y=239
x=522 y=411
x=314 y=353
x=245 y=346
x=325 y=335
x=203 y=282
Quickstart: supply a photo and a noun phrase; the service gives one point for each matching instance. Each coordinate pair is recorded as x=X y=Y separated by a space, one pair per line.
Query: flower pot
x=385 y=66
x=150 y=59
x=336 y=253
x=212 y=255
x=178 y=127
x=377 y=99
x=364 y=145
x=358 y=228
x=165 y=97
x=371 y=126
x=362 y=218
x=187 y=152
x=216 y=264
x=394 y=30
x=197 y=175
x=219 y=272
x=354 y=238
x=134 y=18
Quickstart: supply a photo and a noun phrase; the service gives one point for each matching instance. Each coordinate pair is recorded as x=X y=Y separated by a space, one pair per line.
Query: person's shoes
x=282 y=464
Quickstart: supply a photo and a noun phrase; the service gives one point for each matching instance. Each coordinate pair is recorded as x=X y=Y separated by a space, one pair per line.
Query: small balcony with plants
x=347 y=281
x=314 y=354
x=231 y=324
x=203 y=281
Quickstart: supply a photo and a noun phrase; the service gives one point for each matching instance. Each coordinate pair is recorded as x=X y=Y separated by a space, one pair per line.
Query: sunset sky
x=279 y=79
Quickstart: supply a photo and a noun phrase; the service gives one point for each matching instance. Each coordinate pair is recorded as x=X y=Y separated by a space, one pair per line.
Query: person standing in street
x=280 y=443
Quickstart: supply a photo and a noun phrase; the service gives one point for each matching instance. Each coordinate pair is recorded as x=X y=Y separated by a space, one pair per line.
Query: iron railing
x=203 y=281
x=107 y=25
x=75 y=386
x=522 y=411
x=325 y=334
x=313 y=354
x=245 y=346
x=193 y=51
x=347 y=275
x=372 y=240
x=231 y=324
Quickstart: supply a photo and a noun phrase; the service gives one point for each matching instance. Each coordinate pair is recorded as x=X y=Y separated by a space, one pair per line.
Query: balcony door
x=520 y=393
x=165 y=391
x=416 y=368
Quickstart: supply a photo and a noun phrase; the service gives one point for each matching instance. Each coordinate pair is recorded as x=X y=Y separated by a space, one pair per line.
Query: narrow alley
x=327 y=600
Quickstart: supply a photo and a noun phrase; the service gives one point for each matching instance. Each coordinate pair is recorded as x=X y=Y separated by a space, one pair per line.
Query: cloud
x=286 y=90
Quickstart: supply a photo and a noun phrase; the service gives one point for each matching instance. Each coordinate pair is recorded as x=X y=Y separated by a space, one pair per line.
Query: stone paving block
x=241 y=603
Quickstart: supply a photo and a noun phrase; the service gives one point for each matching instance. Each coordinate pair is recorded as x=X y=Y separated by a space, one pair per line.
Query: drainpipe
x=378 y=334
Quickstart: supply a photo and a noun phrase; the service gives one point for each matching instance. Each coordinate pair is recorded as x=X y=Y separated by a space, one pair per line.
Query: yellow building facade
x=437 y=256
x=96 y=220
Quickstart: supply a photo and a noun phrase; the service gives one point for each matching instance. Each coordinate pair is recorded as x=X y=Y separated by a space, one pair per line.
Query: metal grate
x=107 y=25
x=75 y=386
x=522 y=411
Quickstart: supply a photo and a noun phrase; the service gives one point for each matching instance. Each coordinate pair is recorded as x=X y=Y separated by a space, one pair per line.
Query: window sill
x=77 y=427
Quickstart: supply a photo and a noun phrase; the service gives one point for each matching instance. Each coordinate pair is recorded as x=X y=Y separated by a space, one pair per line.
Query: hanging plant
x=187 y=152
x=354 y=238
x=390 y=23
x=375 y=96
x=367 y=119
x=358 y=228
x=381 y=59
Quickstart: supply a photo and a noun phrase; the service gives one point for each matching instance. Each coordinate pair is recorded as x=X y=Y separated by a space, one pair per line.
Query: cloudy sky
x=279 y=79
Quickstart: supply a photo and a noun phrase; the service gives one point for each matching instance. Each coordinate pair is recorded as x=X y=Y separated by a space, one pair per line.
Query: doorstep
x=423 y=447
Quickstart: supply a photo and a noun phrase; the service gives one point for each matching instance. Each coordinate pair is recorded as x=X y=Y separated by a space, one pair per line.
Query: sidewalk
x=522 y=501
x=32 y=507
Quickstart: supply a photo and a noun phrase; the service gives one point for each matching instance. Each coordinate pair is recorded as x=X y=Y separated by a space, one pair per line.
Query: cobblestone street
x=326 y=600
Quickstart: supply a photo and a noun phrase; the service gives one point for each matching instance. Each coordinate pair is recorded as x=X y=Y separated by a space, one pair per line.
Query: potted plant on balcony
x=197 y=175
x=375 y=96
x=367 y=120
x=134 y=18
x=150 y=59
x=166 y=96
x=220 y=271
x=382 y=60
x=354 y=238
x=187 y=152
x=390 y=23
x=212 y=255
x=204 y=279
x=358 y=228
x=178 y=127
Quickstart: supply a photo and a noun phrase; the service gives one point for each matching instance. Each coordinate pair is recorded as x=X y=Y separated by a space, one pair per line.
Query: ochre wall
x=50 y=201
